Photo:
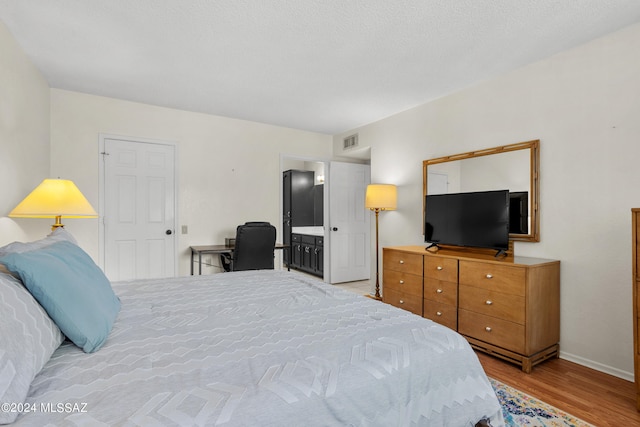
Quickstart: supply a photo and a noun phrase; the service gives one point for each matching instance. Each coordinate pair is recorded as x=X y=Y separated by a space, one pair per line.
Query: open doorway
x=303 y=214
x=333 y=245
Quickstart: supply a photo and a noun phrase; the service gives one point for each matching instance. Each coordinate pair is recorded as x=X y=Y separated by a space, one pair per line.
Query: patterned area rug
x=520 y=409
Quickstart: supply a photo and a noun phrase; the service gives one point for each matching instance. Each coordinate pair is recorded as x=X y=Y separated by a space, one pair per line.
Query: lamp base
x=58 y=223
x=373 y=297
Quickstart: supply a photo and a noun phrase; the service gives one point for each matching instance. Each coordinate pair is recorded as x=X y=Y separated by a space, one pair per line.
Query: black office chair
x=253 y=250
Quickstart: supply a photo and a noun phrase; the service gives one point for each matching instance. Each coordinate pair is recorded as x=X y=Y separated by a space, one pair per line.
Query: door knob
x=168 y=232
x=335 y=229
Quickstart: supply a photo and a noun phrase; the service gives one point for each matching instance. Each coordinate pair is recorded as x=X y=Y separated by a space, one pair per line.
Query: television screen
x=478 y=219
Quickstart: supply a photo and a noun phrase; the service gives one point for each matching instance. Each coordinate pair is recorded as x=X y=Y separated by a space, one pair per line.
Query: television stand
x=507 y=307
x=433 y=245
x=501 y=253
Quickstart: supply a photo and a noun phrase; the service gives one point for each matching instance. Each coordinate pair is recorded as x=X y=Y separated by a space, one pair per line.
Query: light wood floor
x=595 y=397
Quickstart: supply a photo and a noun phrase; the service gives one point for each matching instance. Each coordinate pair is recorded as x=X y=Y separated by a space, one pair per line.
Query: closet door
x=139 y=209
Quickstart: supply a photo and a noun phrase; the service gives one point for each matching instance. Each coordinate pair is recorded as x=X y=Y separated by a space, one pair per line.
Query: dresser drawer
x=441 y=291
x=444 y=314
x=501 y=278
x=494 y=331
x=403 y=300
x=402 y=282
x=402 y=261
x=441 y=268
x=491 y=303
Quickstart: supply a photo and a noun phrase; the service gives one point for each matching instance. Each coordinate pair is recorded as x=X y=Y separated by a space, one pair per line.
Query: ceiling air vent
x=350 y=141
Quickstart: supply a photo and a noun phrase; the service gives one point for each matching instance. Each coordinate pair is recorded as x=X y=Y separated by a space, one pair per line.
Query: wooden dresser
x=635 y=226
x=441 y=290
x=506 y=307
x=402 y=272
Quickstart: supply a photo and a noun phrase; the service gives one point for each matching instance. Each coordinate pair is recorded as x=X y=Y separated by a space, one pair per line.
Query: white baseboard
x=597 y=366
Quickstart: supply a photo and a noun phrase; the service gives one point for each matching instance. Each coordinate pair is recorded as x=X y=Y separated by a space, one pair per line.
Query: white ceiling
x=320 y=65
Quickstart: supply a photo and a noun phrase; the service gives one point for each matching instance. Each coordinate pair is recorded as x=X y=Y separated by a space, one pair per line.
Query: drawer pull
x=401 y=262
x=488 y=302
x=488 y=329
x=402 y=282
x=438 y=313
x=439 y=291
x=439 y=268
x=401 y=301
x=489 y=276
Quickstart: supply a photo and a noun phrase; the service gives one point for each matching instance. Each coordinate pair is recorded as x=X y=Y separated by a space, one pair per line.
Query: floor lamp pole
x=377 y=296
x=380 y=197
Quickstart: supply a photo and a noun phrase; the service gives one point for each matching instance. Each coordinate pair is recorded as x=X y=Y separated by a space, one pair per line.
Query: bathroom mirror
x=515 y=167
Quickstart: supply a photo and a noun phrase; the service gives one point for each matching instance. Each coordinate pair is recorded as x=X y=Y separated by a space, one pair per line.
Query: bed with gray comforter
x=262 y=348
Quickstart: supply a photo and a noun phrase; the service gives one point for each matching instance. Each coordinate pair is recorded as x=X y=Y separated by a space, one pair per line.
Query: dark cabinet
x=308 y=256
x=308 y=253
x=303 y=206
x=286 y=240
x=319 y=256
x=297 y=196
x=296 y=251
x=297 y=189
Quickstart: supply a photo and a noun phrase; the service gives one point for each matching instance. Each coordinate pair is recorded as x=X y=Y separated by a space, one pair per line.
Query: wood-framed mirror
x=515 y=167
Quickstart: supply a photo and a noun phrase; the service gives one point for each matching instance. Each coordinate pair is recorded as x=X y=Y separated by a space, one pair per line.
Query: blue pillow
x=71 y=288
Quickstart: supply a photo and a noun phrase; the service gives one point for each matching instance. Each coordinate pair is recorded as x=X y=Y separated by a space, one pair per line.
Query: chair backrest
x=254 y=246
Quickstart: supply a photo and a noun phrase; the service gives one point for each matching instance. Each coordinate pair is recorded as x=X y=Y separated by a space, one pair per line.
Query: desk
x=216 y=249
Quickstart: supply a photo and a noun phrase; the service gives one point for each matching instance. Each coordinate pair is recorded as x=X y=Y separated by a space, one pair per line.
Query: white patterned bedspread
x=268 y=348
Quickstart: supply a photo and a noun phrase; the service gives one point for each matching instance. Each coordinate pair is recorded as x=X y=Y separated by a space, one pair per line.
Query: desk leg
x=200 y=263
x=192 y=262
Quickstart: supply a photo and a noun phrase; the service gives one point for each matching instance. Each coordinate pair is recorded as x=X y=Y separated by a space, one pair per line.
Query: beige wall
x=583 y=104
x=228 y=172
x=24 y=137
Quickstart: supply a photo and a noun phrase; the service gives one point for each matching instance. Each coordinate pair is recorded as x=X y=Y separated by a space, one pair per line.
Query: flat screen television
x=477 y=219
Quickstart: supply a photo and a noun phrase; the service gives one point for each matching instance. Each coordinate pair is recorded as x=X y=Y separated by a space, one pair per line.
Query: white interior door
x=350 y=251
x=139 y=209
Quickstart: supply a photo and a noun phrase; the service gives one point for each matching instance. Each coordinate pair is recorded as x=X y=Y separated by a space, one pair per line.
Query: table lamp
x=380 y=197
x=54 y=198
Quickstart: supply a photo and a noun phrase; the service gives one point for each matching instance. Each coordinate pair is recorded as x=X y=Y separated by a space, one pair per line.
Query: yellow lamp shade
x=54 y=198
x=381 y=196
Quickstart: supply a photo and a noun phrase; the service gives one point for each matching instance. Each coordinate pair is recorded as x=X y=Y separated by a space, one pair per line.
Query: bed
x=253 y=348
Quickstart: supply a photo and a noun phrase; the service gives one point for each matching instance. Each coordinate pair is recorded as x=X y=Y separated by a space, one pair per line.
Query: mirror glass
x=513 y=167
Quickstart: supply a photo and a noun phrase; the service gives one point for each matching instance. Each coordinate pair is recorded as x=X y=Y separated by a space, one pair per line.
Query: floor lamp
x=380 y=197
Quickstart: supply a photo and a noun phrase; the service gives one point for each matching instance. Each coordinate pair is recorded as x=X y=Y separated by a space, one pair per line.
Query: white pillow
x=57 y=235
x=28 y=337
